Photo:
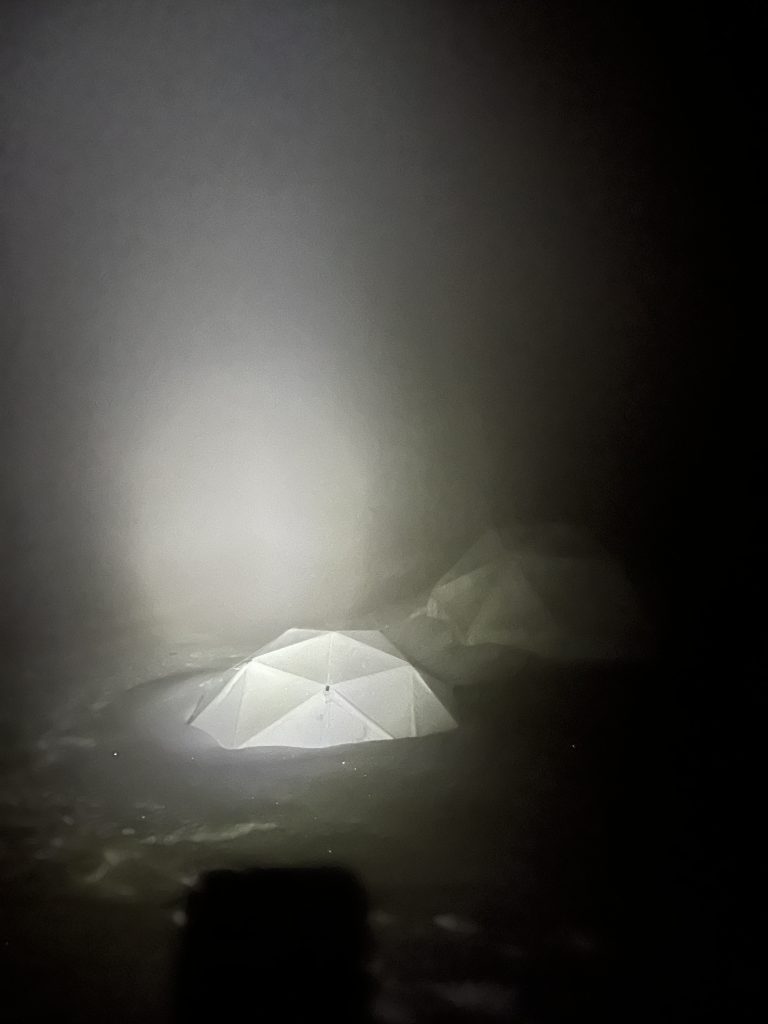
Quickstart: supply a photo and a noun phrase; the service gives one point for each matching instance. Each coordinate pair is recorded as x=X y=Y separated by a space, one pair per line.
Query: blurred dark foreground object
x=275 y=944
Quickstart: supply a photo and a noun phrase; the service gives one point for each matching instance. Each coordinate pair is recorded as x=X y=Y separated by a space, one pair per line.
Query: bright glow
x=247 y=494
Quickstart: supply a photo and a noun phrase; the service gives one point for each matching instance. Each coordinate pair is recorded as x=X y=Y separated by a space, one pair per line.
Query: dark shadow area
x=287 y=945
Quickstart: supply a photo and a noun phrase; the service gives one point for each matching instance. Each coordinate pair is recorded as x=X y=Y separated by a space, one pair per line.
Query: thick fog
x=299 y=297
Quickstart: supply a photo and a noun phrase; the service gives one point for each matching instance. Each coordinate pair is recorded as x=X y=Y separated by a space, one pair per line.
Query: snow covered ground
x=479 y=849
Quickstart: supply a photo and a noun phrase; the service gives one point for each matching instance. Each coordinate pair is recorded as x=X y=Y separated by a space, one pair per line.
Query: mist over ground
x=299 y=298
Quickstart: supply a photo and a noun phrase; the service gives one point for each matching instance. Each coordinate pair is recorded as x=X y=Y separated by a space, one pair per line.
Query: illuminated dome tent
x=312 y=688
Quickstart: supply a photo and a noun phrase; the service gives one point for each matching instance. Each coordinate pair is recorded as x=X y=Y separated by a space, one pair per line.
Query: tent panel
x=219 y=718
x=459 y=600
x=322 y=721
x=308 y=658
x=269 y=695
x=372 y=638
x=345 y=724
x=429 y=714
x=512 y=613
x=303 y=726
x=214 y=687
x=385 y=698
x=351 y=659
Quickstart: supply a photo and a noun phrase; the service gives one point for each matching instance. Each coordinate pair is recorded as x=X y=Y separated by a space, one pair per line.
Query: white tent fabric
x=314 y=688
x=549 y=591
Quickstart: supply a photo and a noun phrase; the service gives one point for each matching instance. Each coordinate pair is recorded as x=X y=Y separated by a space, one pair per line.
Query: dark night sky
x=299 y=294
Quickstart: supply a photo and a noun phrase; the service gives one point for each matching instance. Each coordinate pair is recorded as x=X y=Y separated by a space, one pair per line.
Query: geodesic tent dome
x=549 y=590
x=313 y=688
